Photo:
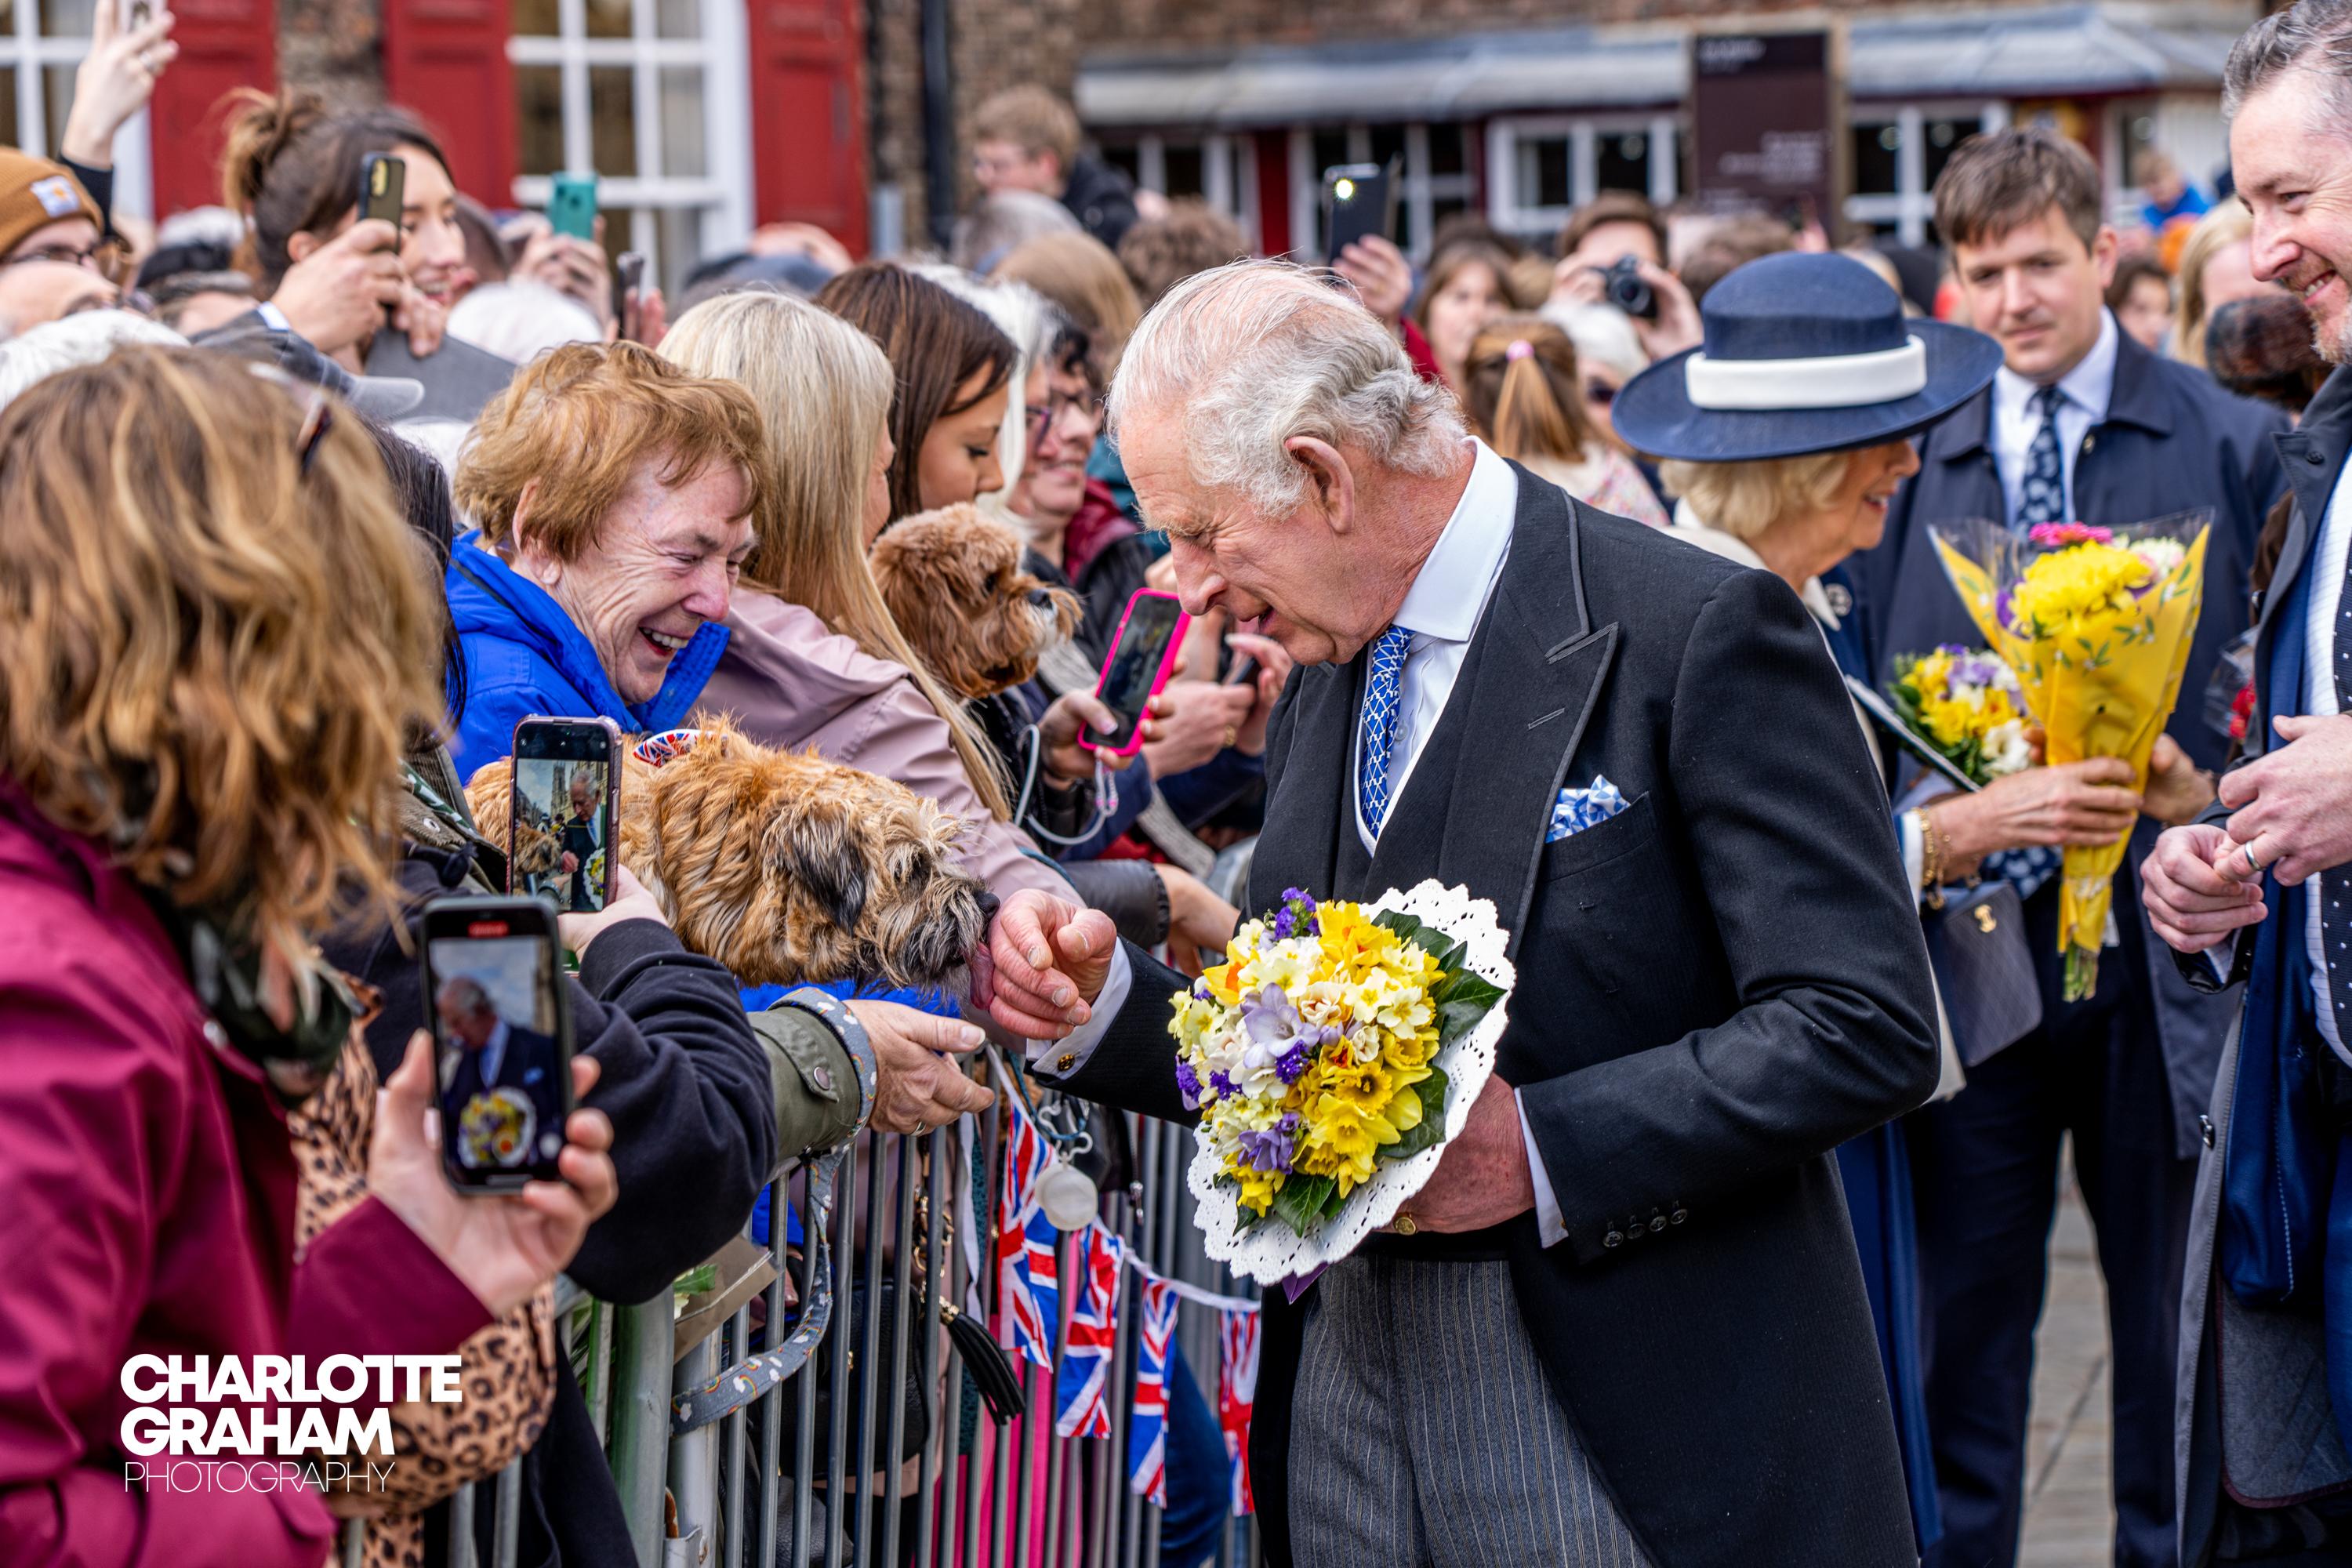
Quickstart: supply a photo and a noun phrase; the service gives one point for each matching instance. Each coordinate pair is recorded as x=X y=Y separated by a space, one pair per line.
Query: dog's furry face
x=953 y=581
x=789 y=869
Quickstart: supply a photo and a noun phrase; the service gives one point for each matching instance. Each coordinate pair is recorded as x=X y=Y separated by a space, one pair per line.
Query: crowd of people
x=305 y=513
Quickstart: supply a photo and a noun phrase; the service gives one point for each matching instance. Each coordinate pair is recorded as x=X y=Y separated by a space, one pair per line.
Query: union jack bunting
x=1081 y=1389
x=1147 y=1434
x=1237 y=1337
x=1028 y=1289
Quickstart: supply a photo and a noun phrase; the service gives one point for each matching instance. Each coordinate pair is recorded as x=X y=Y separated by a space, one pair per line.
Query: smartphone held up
x=562 y=818
x=501 y=1040
x=1143 y=657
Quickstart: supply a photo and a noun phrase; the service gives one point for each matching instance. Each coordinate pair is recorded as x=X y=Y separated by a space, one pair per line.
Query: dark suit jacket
x=2172 y=442
x=528 y=1064
x=1716 y=988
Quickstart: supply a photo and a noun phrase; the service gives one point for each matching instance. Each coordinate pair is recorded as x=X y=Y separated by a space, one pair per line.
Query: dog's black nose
x=988 y=902
x=1041 y=599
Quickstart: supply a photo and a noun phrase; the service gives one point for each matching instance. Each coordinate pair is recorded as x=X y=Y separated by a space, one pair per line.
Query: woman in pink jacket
x=208 y=660
x=813 y=657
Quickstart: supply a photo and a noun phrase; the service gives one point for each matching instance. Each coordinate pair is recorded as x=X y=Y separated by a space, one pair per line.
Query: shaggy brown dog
x=953 y=581
x=788 y=868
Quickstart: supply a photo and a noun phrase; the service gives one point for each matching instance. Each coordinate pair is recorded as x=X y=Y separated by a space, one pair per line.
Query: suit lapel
x=1541 y=668
x=1299 y=845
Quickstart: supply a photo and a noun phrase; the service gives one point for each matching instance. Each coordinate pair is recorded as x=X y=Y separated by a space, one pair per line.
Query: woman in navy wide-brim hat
x=1785 y=435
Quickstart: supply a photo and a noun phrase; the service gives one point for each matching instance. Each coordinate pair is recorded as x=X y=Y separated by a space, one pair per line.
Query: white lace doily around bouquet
x=1271 y=1251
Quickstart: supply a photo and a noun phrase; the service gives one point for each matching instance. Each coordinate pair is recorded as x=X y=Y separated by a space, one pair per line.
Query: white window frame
x=722 y=195
x=29 y=54
x=1228 y=172
x=1913 y=205
x=1509 y=213
x=1418 y=189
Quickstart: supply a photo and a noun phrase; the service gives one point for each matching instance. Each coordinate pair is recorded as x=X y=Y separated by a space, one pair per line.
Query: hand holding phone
x=1359 y=200
x=502 y=1247
x=572 y=205
x=501 y=1039
x=564 y=812
x=384 y=188
x=1142 y=654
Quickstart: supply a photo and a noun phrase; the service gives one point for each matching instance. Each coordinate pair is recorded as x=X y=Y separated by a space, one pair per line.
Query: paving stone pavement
x=2068 y=1517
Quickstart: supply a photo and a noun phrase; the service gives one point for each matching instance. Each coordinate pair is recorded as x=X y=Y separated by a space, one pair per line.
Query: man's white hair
x=1249 y=355
x=86 y=337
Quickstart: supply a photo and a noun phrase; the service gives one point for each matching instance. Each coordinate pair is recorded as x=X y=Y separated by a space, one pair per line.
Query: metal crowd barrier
x=1017 y=1495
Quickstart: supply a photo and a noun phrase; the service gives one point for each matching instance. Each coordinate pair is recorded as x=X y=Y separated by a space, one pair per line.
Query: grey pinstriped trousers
x=1422 y=1431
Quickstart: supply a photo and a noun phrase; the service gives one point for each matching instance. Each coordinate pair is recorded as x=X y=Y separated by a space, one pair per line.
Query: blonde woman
x=2216 y=267
x=813 y=656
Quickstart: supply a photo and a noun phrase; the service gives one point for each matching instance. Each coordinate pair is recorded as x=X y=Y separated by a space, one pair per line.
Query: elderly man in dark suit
x=1624 y=1323
x=2080 y=424
x=2259 y=892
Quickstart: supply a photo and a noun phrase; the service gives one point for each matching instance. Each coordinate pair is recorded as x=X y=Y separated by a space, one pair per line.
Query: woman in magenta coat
x=208 y=659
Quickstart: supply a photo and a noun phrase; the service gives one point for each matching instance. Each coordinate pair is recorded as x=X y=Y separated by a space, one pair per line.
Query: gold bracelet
x=1931 y=861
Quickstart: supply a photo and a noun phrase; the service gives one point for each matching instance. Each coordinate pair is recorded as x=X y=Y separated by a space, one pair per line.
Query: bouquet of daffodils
x=1330 y=1057
x=2096 y=623
x=1966 y=705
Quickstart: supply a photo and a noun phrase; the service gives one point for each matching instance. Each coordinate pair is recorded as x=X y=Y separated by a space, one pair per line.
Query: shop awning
x=2105 y=46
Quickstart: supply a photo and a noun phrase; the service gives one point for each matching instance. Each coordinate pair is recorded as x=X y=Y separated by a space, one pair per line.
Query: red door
x=446 y=59
x=808 y=115
x=224 y=45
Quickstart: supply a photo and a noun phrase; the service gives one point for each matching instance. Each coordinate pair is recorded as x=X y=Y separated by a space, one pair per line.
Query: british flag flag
x=1082 y=1388
x=1237 y=1337
x=1147 y=1433
x=1028 y=1290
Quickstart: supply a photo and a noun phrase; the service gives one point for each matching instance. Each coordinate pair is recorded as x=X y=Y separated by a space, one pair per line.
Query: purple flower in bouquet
x=1294 y=1061
x=1188 y=1084
x=1273 y=1021
x=1272 y=1149
x=1295 y=915
x=1221 y=1083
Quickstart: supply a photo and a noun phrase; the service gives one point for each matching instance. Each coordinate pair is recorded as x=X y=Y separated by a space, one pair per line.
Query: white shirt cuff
x=272 y=316
x=1551 y=1228
x=1059 y=1059
x=1909 y=828
x=2223 y=959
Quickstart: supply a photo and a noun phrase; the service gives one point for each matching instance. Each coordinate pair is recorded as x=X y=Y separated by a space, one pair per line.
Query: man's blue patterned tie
x=1376 y=732
x=2042 y=499
x=2335 y=886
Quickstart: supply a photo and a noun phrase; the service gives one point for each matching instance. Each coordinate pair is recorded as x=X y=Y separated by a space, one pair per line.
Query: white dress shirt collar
x=2088 y=386
x=1449 y=592
x=494 y=1051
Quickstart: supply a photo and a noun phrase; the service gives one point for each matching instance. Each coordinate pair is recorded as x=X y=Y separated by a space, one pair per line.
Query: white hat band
x=1831 y=381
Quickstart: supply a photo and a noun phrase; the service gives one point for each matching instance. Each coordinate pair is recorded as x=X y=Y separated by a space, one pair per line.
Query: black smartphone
x=560 y=815
x=1142 y=655
x=628 y=277
x=383 y=187
x=1359 y=200
x=501 y=1040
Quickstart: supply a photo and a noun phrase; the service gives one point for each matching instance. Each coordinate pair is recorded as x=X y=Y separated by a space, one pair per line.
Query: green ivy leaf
x=1430 y=1132
x=1461 y=1001
x=1407 y=927
x=1300 y=1200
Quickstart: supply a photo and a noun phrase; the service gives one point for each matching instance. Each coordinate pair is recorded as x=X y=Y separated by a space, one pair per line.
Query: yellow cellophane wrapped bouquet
x=2097 y=624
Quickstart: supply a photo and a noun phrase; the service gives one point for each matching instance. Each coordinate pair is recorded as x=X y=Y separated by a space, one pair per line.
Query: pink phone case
x=1159 y=678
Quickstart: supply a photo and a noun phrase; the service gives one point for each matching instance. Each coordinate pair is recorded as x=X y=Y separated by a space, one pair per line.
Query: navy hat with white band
x=1804 y=353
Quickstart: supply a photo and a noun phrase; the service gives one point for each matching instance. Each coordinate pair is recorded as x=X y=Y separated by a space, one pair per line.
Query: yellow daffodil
x=1342 y=1136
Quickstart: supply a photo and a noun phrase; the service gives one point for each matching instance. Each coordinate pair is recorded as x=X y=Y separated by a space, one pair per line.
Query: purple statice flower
x=1188 y=1084
x=1221 y=1083
x=1285 y=923
x=1296 y=915
x=1294 y=1061
x=1274 y=1147
x=1201 y=992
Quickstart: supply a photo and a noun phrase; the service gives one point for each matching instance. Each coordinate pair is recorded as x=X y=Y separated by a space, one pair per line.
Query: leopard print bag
x=508 y=1375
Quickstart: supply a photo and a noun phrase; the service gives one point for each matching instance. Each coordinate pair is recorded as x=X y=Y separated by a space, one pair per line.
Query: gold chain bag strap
x=508 y=1373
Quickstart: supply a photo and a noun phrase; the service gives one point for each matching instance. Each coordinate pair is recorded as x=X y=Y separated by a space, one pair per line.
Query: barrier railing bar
x=640 y=1420
x=905 y=1321
x=732 y=1475
x=461 y=1527
x=939 y=1379
x=771 y=1419
x=804 y=1453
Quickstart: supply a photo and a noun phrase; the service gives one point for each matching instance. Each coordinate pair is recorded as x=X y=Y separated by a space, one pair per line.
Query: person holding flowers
x=2081 y=425
x=1622 y=1321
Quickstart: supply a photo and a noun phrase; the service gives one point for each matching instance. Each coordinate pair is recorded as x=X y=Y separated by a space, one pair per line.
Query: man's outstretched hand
x=1050 y=957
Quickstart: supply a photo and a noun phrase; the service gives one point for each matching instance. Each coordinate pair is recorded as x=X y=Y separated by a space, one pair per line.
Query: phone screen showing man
x=498 y=1056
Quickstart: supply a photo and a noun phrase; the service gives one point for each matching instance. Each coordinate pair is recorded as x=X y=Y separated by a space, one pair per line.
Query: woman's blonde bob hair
x=211 y=650
x=824 y=391
x=2224 y=227
x=1745 y=500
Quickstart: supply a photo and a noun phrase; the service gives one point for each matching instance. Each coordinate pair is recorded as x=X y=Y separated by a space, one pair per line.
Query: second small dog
x=953 y=580
x=788 y=868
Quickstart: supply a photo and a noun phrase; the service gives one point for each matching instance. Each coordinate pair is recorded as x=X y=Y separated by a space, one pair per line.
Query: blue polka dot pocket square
x=1578 y=809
